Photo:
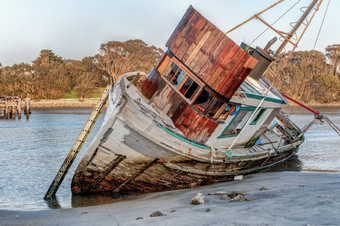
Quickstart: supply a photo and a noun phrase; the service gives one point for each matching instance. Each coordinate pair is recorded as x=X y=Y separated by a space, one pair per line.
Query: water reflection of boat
x=204 y=114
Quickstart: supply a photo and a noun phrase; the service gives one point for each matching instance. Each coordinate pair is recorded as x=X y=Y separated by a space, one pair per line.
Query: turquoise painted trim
x=239 y=155
x=255 y=122
x=260 y=97
x=248 y=108
x=232 y=135
x=182 y=138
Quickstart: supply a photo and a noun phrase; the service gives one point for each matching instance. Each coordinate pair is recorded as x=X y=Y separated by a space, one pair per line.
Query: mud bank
x=283 y=198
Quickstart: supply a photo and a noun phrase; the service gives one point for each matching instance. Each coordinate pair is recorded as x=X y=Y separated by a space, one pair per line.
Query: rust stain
x=162 y=160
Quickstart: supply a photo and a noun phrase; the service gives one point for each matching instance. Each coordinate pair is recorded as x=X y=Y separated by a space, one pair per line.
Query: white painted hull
x=138 y=148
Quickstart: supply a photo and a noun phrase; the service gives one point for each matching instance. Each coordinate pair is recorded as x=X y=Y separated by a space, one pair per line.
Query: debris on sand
x=198 y=199
x=157 y=214
x=249 y=199
x=224 y=197
x=238 y=177
x=263 y=188
x=238 y=198
x=234 y=194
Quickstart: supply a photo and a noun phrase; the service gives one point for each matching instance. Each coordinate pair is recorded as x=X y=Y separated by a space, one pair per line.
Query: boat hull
x=135 y=150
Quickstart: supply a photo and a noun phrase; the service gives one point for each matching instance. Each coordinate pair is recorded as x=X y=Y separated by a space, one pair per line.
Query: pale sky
x=74 y=29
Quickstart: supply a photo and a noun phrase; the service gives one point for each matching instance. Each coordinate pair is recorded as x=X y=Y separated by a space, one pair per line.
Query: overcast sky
x=74 y=29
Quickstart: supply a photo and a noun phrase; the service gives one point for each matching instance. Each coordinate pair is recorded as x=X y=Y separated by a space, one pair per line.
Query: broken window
x=257 y=116
x=182 y=82
x=203 y=101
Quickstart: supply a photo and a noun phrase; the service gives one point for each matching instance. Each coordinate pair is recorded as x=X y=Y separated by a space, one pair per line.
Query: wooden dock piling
x=11 y=106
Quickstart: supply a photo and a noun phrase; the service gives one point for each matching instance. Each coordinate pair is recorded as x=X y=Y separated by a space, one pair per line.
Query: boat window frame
x=230 y=123
x=258 y=116
x=225 y=115
x=261 y=112
x=201 y=87
x=188 y=74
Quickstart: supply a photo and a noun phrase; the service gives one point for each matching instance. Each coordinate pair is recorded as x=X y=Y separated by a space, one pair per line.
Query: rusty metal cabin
x=197 y=76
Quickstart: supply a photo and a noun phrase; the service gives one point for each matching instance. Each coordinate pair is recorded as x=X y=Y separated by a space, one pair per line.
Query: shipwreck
x=204 y=114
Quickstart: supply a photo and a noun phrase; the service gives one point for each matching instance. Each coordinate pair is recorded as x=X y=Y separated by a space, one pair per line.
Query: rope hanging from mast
x=323 y=19
x=275 y=21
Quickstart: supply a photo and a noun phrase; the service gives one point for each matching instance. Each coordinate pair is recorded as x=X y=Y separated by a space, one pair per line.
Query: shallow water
x=33 y=150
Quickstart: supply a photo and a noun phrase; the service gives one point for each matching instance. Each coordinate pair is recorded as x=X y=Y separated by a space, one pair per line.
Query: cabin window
x=182 y=82
x=237 y=123
x=203 y=101
x=224 y=110
x=257 y=116
x=216 y=110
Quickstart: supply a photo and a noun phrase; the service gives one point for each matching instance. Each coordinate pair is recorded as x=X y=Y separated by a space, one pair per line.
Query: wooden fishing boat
x=204 y=114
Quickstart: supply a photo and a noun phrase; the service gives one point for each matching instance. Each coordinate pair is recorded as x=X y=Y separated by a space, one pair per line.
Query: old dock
x=10 y=107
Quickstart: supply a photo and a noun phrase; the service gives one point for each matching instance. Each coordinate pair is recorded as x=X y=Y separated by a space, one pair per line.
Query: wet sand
x=291 y=198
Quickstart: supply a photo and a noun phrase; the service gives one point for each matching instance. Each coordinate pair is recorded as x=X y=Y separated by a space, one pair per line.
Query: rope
x=323 y=19
x=275 y=22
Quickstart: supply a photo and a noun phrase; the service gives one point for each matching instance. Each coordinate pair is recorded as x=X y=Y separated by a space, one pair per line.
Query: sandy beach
x=286 y=198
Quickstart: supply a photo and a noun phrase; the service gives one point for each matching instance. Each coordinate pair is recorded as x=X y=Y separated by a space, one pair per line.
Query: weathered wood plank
x=208 y=52
x=188 y=37
x=181 y=34
x=227 y=65
x=163 y=64
x=181 y=25
x=230 y=75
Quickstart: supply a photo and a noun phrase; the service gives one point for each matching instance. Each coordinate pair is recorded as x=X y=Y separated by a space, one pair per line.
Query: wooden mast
x=297 y=25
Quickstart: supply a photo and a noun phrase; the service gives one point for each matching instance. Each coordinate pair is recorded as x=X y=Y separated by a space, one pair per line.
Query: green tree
x=306 y=77
x=85 y=76
x=333 y=54
x=118 y=58
x=51 y=79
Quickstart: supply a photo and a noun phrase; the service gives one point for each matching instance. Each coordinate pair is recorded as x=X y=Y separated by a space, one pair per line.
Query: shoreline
x=288 y=198
x=91 y=102
x=64 y=103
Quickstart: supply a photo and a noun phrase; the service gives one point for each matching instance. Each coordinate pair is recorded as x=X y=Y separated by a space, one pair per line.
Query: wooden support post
x=77 y=146
x=19 y=109
x=27 y=106
x=6 y=111
x=13 y=113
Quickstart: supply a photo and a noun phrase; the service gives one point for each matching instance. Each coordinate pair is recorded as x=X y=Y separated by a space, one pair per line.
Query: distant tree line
x=52 y=77
x=309 y=76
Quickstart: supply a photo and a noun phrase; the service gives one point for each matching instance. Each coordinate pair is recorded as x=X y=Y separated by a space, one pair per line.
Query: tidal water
x=32 y=151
